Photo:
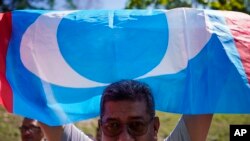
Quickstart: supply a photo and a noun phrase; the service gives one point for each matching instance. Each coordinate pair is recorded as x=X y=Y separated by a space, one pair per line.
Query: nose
x=27 y=133
x=125 y=136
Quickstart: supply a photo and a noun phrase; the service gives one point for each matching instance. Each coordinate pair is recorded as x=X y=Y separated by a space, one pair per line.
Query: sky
x=115 y=4
x=92 y=4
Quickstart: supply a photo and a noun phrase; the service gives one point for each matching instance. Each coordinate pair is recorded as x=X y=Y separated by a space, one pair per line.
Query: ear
x=98 y=131
x=156 y=127
x=99 y=126
x=99 y=122
x=156 y=124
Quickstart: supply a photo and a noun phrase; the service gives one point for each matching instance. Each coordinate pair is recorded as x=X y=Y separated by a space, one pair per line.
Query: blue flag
x=55 y=64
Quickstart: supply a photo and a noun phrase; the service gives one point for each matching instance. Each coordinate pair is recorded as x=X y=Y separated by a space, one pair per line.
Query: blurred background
x=219 y=130
x=234 y=5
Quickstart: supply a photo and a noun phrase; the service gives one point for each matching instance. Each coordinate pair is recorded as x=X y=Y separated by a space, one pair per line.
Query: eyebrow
x=130 y=118
x=29 y=127
x=137 y=117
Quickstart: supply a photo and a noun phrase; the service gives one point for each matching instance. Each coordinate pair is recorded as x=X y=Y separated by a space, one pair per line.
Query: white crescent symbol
x=187 y=37
x=40 y=53
x=48 y=64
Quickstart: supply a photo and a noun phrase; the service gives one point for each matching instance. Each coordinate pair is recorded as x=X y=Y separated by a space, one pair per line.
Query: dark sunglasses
x=29 y=128
x=113 y=128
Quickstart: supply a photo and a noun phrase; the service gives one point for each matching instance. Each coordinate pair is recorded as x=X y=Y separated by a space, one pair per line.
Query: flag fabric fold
x=5 y=35
x=55 y=64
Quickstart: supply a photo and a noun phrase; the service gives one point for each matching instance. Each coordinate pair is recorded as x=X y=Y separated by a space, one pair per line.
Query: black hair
x=130 y=90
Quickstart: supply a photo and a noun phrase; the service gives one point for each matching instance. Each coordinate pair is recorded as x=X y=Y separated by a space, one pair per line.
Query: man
x=30 y=131
x=128 y=114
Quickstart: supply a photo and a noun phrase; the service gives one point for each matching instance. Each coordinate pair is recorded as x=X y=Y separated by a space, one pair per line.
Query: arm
x=52 y=133
x=64 y=133
x=198 y=126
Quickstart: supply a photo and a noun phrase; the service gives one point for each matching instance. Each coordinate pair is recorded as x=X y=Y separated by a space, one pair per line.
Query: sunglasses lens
x=137 y=128
x=112 y=128
x=29 y=128
x=134 y=128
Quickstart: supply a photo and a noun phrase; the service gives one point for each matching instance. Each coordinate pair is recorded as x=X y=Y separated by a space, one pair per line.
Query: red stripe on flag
x=6 y=95
x=1 y=101
x=239 y=24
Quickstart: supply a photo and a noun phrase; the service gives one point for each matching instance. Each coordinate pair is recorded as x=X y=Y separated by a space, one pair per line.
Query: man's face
x=128 y=121
x=30 y=131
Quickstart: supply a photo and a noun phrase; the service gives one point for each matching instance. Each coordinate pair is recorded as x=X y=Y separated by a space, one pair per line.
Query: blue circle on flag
x=107 y=46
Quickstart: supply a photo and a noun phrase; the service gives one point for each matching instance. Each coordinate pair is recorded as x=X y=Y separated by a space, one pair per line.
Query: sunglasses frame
x=29 y=128
x=129 y=130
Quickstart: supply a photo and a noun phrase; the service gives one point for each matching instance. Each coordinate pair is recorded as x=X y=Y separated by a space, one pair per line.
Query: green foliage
x=167 y=4
x=219 y=130
x=9 y=126
x=138 y=4
x=233 y=5
x=30 y=4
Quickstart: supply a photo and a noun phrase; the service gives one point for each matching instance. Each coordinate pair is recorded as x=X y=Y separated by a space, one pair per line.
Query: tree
x=167 y=4
x=233 y=5
x=30 y=4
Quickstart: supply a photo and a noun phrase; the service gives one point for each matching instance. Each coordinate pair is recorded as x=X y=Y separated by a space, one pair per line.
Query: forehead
x=29 y=122
x=124 y=110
